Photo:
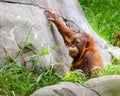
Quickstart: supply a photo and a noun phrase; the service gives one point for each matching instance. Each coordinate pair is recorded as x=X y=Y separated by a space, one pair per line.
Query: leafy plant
x=75 y=76
x=112 y=69
x=47 y=51
x=15 y=79
x=48 y=77
x=26 y=44
x=23 y=82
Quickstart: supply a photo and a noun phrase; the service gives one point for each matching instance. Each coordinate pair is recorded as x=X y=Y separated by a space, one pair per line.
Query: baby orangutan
x=80 y=45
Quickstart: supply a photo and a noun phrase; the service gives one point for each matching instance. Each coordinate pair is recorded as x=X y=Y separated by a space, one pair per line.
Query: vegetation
x=20 y=81
x=103 y=16
x=112 y=69
x=75 y=76
x=16 y=80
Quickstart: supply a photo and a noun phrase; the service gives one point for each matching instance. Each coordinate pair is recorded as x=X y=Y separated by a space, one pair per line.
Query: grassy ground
x=20 y=81
x=103 y=16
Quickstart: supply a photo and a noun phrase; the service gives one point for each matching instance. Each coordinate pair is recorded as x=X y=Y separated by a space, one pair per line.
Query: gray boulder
x=14 y=30
x=65 y=89
x=106 y=85
x=101 y=86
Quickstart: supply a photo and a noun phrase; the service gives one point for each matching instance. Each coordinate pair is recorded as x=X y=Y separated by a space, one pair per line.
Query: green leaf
x=55 y=47
x=44 y=52
x=27 y=22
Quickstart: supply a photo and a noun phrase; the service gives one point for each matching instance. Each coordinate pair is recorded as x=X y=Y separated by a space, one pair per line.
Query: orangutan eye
x=72 y=42
x=77 y=42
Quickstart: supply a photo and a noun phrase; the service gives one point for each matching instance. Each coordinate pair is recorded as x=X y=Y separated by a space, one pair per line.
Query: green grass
x=23 y=82
x=103 y=16
x=17 y=79
x=75 y=76
x=112 y=69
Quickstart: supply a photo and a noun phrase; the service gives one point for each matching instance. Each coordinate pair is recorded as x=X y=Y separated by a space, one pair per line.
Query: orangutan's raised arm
x=65 y=31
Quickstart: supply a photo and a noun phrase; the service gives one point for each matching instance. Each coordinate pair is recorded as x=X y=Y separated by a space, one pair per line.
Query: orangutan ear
x=87 y=44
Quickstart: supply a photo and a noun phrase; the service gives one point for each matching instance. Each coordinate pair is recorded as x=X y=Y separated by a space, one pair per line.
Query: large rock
x=102 y=86
x=106 y=85
x=65 y=89
x=13 y=29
